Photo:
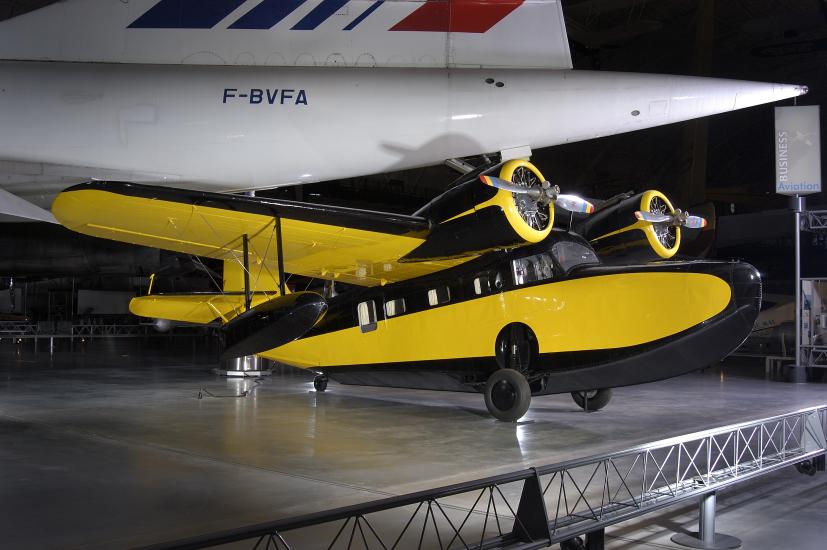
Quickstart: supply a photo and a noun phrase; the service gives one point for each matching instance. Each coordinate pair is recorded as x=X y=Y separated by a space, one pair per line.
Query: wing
x=353 y=246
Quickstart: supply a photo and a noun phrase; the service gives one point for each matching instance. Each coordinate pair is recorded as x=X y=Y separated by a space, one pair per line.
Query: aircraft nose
x=746 y=286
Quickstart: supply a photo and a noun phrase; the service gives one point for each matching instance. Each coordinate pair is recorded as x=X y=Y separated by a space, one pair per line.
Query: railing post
x=531 y=522
x=706 y=537
x=596 y=540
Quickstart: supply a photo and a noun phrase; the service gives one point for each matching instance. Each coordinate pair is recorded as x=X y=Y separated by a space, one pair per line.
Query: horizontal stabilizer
x=198 y=309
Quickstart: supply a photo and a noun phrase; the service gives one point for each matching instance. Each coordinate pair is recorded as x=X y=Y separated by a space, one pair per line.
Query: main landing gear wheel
x=592 y=400
x=320 y=382
x=507 y=395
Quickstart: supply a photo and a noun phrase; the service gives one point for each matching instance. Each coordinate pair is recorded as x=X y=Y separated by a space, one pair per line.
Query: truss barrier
x=17 y=330
x=816 y=220
x=537 y=507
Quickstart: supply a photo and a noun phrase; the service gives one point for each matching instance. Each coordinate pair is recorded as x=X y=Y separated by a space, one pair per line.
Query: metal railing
x=817 y=220
x=28 y=330
x=537 y=507
x=814 y=356
x=16 y=328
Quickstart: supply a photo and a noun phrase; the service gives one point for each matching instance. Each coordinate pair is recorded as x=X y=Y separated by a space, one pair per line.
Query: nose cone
x=750 y=94
x=746 y=286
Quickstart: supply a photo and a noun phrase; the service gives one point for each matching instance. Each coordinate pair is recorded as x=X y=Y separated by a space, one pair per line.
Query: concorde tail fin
x=367 y=33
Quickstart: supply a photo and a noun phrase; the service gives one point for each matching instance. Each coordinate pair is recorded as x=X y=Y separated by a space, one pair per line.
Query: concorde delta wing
x=334 y=243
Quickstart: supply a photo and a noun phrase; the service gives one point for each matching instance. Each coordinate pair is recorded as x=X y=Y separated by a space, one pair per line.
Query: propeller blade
x=545 y=194
x=654 y=218
x=573 y=203
x=695 y=222
x=506 y=185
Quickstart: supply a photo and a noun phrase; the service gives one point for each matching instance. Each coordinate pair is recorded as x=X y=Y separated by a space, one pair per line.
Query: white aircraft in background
x=233 y=95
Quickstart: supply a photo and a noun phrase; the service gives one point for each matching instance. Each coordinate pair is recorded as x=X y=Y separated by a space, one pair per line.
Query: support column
x=250 y=365
x=706 y=537
x=798 y=371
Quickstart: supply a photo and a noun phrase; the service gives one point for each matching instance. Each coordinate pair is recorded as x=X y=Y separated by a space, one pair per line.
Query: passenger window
x=441 y=295
x=533 y=268
x=366 y=311
x=482 y=285
x=487 y=282
x=395 y=307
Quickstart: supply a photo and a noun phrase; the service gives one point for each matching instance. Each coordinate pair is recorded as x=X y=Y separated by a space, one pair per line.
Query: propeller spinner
x=676 y=218
x=544 y=194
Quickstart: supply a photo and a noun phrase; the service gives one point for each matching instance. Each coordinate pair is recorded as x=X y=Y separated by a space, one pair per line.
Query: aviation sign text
x=266 y=96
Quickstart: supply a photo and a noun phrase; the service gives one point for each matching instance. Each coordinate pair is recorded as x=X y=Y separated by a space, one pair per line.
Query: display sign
x=797 y=150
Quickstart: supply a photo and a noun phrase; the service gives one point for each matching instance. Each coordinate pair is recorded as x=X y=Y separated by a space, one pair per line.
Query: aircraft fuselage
x=225 y=128
x=549 y=311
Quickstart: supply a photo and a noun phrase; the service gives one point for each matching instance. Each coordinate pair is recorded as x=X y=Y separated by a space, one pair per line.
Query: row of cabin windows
x=538 y=267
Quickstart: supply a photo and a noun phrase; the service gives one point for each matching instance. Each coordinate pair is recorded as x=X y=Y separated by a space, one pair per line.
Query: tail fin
x=370 y=33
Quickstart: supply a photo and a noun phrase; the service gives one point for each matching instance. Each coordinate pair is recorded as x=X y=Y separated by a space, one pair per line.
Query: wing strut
x=280 y=255
x=246 y=248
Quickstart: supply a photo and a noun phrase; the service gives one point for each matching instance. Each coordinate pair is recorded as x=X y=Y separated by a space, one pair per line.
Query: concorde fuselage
x=231 y=128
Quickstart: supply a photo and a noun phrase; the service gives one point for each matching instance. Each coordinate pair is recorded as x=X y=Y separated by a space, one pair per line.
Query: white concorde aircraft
x=231 y=95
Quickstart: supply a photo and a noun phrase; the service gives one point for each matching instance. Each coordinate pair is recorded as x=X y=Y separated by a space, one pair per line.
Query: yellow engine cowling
x=615 y=233
x=471 y=217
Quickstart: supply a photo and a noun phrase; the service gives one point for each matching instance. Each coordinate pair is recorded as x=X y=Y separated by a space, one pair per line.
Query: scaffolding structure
x=811 y=329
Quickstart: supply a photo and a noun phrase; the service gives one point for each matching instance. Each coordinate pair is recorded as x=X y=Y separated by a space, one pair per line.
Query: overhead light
x=466 y=117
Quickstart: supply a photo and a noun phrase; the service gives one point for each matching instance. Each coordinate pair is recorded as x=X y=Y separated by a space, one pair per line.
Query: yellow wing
x=334 y=243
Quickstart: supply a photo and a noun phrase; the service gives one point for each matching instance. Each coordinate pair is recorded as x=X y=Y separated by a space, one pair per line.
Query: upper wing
x=353 y=246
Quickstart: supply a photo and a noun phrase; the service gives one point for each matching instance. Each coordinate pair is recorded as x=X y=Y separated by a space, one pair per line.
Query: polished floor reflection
x=111 y=446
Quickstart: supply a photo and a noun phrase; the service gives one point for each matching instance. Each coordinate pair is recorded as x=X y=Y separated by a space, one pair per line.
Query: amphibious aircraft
x=232 y=95
x=476 y=291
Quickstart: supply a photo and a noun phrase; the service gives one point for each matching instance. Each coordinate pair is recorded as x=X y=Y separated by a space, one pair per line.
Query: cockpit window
x=533 y=268
x=571 y=254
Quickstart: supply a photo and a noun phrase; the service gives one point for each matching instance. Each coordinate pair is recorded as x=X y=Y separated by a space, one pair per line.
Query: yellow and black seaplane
x=476 y=291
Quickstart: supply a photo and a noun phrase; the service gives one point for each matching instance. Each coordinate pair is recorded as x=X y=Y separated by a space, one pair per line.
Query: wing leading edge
x=334 y=243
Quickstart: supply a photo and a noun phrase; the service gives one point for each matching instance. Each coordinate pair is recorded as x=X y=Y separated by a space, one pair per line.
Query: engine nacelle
x=471 y=217
x=615 y=232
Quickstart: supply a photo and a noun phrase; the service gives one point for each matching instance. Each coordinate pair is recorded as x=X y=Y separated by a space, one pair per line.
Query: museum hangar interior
x=121 y=429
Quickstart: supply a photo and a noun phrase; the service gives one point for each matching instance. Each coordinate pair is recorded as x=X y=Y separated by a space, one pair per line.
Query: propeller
x=545 y=194
x=677 y=218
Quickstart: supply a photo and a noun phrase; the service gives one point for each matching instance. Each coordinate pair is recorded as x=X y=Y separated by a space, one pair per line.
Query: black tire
x=507 y=395
x=320 y=382
x=593 y=399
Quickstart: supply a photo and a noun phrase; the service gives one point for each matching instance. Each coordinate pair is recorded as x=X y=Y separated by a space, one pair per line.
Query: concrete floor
x=110 y=447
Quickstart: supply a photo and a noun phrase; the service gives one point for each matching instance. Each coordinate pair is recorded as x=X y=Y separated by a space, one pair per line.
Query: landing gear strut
x=320 y=382
x=507 y=395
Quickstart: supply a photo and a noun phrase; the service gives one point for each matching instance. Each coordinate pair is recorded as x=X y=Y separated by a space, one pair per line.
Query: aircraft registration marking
x=266 y=96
